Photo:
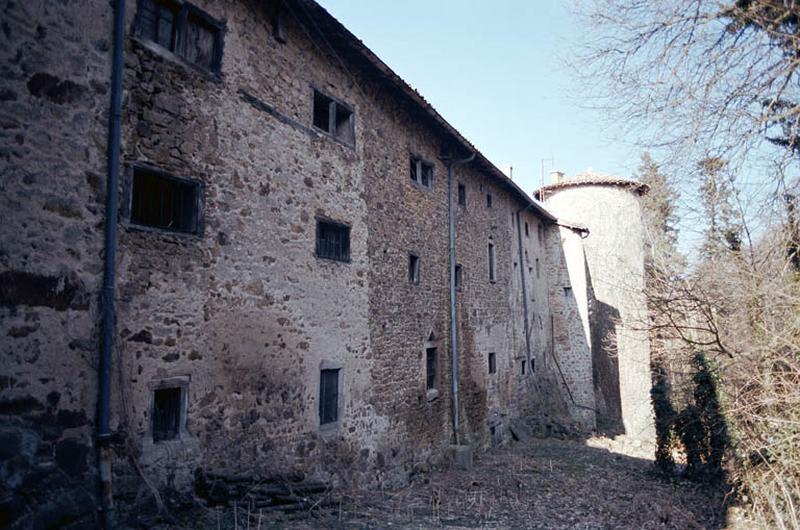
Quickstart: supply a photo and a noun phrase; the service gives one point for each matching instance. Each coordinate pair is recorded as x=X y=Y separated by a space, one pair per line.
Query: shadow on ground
x=546 y=483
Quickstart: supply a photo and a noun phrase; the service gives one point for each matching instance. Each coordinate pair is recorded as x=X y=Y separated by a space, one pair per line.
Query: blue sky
x=494 y=71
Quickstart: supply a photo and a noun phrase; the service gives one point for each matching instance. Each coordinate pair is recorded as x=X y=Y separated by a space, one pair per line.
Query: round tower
x=614 y=251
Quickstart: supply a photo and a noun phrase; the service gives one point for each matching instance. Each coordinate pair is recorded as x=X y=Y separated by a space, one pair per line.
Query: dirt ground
x=545 y=483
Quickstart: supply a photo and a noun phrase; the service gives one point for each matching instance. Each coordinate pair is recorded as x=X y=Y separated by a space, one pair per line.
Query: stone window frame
x=331 y=112
x=432 y=342
x=333 y=426
x=421 y=163
x=492 y=363
x=177 y=381
x=184 y=11
x=127 y=198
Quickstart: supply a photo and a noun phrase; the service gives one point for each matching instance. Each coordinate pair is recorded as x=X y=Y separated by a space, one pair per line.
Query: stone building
x=284 y=293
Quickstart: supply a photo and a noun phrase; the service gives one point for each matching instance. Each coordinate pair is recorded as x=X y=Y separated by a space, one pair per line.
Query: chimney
x=556 y=177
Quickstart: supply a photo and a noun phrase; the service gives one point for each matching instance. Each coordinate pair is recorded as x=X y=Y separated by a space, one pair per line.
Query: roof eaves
x=420 y=102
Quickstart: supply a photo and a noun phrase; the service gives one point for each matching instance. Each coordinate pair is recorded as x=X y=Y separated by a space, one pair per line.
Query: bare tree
x=699 y=77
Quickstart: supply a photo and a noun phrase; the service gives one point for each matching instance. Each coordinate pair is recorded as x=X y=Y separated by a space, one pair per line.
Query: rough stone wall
x=242 y=315
x=54 y=82
x=246 y=311
x=615 y=275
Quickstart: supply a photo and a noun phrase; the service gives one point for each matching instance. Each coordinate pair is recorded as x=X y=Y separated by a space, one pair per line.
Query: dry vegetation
x=714 y=88
x=545 y=483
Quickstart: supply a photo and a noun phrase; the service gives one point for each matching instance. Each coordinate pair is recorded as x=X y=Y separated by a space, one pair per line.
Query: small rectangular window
x=333 y=117
x=333 y=240
x=492 y=363
x=161 y=201
x=526 y=228
x=183 y=29
x=523 y=367
x=413 y=269
x=431 y=364
x=167 y=406
x=328 y=396
x=462 y=195
x=421 y=172
x=488 y=200
x=459 y=276
x=491 y=262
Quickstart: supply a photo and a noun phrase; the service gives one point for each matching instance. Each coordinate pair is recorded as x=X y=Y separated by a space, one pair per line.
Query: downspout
x=453 y=322
x=522 y=265
x=107 y=294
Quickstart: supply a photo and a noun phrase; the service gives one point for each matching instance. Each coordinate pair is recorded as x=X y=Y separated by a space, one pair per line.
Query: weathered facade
x=283 y=281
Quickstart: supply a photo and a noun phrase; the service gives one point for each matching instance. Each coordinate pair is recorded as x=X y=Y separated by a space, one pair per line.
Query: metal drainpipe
x=524 y=290
x=107 y=294
x=453 y=326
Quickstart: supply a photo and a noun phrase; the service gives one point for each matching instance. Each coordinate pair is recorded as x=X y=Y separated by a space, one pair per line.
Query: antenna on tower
x=552 y=161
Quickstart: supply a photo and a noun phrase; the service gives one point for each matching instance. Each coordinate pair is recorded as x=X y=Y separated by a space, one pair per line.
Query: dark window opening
x=567 y=291
x=322 y=112
x=462 y=195
x=431 y=364
x=162 y=201
x=182 y=29
x=492 y=363
x=278 y=27
x=459 y=276
x=328 y=396
x=334 y=118
x=491 y=262
x=413 y=269
x=526 y=228
x=421 y=172
x=333 y=240
x=166 y=413
x=523 y=367
x=488 y=200
x=492 y=429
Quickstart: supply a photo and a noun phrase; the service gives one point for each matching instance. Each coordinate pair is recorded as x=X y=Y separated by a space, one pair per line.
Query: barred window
x=333 y=240
x=162 y=201
x=328 y=396
x=167 y=409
